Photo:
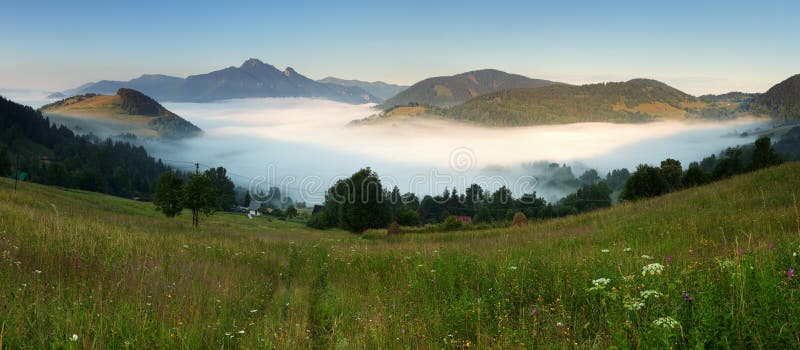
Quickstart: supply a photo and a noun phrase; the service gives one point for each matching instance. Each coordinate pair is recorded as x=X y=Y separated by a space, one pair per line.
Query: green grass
x=118 y=275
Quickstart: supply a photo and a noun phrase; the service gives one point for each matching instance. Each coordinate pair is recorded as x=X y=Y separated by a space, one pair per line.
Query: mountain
x=53 y=154
x=782 y=101
x=731 y=97
x=379 y=89
x=451 y=90
x=252 y=79
x=636 y=100
x=128 y=111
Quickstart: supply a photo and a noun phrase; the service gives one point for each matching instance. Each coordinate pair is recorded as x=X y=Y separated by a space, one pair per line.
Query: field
x=704 y=268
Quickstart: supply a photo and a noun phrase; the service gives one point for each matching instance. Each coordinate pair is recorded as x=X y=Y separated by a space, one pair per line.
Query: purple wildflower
x=790 y=274
x=669 y=259
x=687 y=297
x=741 y=251
x=533 y=311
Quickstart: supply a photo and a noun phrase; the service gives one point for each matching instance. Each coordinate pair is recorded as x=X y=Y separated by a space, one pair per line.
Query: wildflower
x=742 y=251
x=74 y=337
x=512 y=267
x=253 y=311
x=688 y=298
x=633 y=304
x=186 y=246
x=666 y=322
x=241 y=331
x=652 y=269
x=647 y=257
x=601 y=282
x=37 y=271
x=628 y=278
x=669 y=259
x=647 y=294
x=627 y=250
x=794 y=254
x=605 y=250
x=534 y=311
x=790 y=273
x=559 y=324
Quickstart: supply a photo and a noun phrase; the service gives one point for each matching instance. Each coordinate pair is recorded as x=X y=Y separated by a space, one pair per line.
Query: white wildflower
x=727 y=264
x=241 y=332
x=253 y=311
x=605 y=250
x=74 y=337
x=627 y=250
x=647 y=257
x=37 y=271
x=186 y=246
x=628 y=278
x=601 y=282
x=666 y=322
x=633 y=304
x=512 y=267
x=794 y=254
x=647 y=294
x=652 y=269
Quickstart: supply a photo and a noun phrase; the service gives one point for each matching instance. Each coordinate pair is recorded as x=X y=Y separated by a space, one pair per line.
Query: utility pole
x=197 y=168
x=16 y=175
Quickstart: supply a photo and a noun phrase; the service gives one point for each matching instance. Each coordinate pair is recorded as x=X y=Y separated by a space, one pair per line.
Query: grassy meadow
x=709 y=267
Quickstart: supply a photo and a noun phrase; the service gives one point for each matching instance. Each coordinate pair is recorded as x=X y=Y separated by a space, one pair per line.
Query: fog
x=305 y=145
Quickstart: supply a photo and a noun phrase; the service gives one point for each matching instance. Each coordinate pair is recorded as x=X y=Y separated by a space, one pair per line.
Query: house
x=464 y=219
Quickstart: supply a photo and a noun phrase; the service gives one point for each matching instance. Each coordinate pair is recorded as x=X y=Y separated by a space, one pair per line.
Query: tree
x=764 y=155
x=199 y=196
x=407 y=217
x=645 y=182
x=694 y=176
x=168 y=195
x=589 y=177
x=5 y=163
x=672 y=171
x=729 y=165
x=616 y=178
x=358 y=203
x=247 y=199
x=291 y=212
x=482 y=216
x=224 y=189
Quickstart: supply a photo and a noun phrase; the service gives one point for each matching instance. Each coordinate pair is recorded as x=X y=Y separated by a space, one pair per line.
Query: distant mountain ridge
x=379 y=89
x=126 y=107
x=636 y=100
x=782 y=101
x=448 y=91
x=253 y=78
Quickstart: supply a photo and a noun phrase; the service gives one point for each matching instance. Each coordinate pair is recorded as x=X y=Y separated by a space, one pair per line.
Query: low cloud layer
x=302 y=137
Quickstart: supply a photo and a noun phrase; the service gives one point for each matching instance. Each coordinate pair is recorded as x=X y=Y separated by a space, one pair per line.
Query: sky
x=697 y=46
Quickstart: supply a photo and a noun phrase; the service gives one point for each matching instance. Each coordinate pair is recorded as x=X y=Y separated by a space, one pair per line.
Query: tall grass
x=115 y=274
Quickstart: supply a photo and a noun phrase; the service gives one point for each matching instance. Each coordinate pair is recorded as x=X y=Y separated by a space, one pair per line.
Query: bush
x=451 y=223
x=520 y=220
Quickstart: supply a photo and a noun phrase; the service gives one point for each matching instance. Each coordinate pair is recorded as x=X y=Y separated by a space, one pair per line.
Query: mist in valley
x=304 y=145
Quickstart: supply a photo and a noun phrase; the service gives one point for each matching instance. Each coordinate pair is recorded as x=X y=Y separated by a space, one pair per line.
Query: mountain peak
x=253 y=62
x=289 y=72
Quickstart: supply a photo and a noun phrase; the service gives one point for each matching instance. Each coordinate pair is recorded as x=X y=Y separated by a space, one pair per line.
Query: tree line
x=361 y=202
x=33 y=148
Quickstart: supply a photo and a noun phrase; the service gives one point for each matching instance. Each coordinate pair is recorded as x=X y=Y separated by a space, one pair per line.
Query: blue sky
x=699 y=47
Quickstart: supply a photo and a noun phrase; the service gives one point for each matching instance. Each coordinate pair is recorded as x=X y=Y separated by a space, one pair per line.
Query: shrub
x=451 y=223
